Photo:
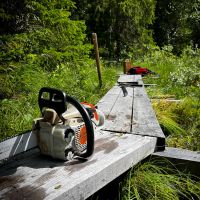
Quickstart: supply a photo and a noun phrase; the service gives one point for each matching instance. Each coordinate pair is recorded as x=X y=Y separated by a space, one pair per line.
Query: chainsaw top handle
x=57 y=100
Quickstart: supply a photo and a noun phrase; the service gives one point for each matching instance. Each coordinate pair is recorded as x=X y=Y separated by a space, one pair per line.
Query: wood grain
x=117 y=110
x=17 y=144
x=45 y=178
x=144 y=119
x=129 y=78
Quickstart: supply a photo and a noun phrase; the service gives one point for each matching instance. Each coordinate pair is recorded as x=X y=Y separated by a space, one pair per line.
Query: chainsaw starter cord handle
x=88 y=124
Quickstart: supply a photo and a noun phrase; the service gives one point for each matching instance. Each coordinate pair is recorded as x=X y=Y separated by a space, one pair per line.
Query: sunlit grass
x=81 y=82
x=179 y=79
x=152 y=181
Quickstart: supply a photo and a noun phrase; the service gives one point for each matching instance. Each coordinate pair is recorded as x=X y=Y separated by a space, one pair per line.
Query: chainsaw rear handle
x=57 y=100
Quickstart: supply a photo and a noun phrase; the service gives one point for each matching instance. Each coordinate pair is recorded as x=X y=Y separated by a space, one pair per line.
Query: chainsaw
x=66 y=128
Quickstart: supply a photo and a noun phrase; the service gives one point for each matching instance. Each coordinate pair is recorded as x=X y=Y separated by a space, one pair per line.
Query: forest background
x=48 y=43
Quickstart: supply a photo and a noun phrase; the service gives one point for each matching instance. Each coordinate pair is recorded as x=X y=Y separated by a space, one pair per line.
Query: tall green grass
x=179 y=77
x=189 y=119
x=167 y=118
x=79 y=81
x=151 y=181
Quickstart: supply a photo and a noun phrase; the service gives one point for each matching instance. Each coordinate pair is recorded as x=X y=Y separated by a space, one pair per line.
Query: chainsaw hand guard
x=57 y=137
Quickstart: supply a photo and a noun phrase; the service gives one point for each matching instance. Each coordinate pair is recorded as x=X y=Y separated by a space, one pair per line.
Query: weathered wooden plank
x=144 y=118
x=39 y=177
x=107 y=102
x=133 y=110
x=129 y=78
x=179 y=154
x=18 y=144
x=144 y=121
x=118 y=111
x=183 y=159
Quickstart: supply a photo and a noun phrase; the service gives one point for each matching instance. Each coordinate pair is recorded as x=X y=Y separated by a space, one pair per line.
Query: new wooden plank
x=39 y=177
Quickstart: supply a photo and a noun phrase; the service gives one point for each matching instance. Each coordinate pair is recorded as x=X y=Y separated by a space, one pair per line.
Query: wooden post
x=126 y=66
x=95 y=41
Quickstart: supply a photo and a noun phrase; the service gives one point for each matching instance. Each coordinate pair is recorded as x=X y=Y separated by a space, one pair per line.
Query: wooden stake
x=95 y=41
x=126 y=66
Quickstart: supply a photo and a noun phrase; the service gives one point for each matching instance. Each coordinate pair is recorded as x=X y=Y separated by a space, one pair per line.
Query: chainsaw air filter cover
x=65 y=129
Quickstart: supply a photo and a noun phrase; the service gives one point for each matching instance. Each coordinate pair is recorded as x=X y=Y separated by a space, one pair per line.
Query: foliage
x=48 y=49
x=17 y=113
x=187 y=74
x=167 y=118
x=50 y=39
x=172 y=71
x=121 y=25
x=189 y=118
x=178 y=78
x=177 y=23
x=152 y=181
x=132 y=26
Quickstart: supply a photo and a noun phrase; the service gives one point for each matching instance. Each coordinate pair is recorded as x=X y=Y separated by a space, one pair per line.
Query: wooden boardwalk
x=131 y=133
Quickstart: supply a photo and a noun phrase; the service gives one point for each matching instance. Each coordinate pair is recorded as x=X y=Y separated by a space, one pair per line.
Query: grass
x=179 y=78
x=151 y=181
x=81 y=82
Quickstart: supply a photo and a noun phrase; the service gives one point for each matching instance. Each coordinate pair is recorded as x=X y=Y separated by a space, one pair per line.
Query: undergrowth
x=81 y=82
x=151 y=181
x=176 y=78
